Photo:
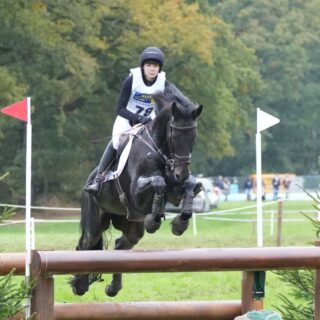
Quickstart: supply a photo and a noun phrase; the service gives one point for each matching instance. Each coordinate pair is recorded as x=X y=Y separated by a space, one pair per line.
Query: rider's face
x=151 y=70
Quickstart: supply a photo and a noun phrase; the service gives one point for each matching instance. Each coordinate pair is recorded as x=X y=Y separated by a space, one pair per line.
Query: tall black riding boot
x=107 y=158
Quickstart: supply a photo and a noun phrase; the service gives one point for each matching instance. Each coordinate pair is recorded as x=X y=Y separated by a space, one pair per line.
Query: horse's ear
x=196 y=113
x=175 y=110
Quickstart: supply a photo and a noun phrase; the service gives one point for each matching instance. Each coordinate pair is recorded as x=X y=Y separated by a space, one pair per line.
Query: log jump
x=45 y=264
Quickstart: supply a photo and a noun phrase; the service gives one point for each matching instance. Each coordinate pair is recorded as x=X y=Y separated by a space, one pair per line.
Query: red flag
x=17 y=110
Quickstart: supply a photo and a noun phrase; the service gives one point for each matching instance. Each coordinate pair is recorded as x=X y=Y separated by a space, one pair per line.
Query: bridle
x=178 y=159
x=172 y=160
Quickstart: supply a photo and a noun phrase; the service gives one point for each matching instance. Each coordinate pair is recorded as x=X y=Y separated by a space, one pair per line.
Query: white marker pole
x=28 y=205
x=264 y=121
x=259 y=191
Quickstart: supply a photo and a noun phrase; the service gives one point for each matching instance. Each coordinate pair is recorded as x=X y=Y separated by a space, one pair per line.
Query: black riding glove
x=143 y=119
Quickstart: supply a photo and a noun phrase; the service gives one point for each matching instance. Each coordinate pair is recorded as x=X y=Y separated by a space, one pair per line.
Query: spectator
x=264 y=194
x=286 y=184
x=276 y=186
x=226 y=188
x=248 y=184
x=219 y=184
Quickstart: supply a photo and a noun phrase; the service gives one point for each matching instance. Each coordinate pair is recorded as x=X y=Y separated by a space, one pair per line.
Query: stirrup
x=95 y=187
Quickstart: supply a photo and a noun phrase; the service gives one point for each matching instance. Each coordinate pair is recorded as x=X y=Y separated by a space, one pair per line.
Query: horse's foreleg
x=181 y=222
x=132 y=232
x=157 y=186
x=152 y=221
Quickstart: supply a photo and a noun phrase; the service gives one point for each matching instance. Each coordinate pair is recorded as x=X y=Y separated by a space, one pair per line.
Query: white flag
x=265 y=120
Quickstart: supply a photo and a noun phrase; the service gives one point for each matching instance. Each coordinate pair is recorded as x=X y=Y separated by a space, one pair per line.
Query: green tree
x=285 y=37
x=71 y=58
x=300 y=304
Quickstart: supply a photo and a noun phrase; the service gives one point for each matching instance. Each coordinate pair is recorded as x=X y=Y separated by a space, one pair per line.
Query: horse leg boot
x=152 y=221
x=106 y=160
x=156 y=185
x=180 y=223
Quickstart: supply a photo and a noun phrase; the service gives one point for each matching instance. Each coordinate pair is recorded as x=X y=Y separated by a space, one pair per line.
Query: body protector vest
x=141 y=101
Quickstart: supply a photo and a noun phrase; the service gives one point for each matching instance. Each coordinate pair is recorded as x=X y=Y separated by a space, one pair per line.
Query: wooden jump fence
x=45 y=264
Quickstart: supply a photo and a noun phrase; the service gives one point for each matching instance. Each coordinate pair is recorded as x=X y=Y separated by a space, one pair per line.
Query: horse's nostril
x=177 y=177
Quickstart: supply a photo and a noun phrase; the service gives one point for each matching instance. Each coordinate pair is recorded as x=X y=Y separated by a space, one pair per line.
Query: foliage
x=285 y=37
x=6 y=214
x=71 y=58
x=301 y=282
x=11 y=294
x=230 y=56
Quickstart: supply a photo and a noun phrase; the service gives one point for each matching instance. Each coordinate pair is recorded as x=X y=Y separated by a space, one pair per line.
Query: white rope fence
x=38 y=208
x=213 y=215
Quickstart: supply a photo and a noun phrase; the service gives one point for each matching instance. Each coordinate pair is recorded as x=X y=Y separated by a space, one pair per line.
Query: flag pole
x=259 y=187
x=28 y=205
x=264 y=121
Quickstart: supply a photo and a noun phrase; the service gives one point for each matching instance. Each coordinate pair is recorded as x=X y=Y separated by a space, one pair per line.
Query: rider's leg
x=107 y=158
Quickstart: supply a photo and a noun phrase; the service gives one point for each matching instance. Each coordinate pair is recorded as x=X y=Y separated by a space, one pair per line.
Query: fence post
x=317 y=290
x=247 y=301
x=279 y=225
x=42 y=302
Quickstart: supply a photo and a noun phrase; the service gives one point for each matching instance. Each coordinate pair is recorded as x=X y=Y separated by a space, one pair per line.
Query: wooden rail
x=9 y=261
x=187 y=310
x=230 y=259
x=46 y=263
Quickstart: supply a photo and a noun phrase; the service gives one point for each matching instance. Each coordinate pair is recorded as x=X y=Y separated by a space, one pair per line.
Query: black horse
x=157 y=171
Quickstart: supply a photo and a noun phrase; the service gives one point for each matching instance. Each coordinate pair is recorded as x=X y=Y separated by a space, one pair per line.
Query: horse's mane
x=171 y=94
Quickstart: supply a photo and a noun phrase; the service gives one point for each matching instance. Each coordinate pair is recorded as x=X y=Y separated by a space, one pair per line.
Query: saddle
x=126 y=141
x=123 y=153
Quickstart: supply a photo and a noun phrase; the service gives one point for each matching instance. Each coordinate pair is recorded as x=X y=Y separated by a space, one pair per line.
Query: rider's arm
x=123 y=100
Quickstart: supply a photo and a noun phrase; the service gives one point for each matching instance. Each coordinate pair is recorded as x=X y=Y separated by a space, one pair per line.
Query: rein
x=173 y=159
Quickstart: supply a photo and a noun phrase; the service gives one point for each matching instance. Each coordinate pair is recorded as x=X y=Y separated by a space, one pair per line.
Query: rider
x=135 y=105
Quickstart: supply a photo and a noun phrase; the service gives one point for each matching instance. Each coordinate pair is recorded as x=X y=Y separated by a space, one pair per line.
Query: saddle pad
x=110 y=175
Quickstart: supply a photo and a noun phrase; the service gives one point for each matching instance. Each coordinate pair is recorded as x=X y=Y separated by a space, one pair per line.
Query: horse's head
x=177 y=114
x=181 y=135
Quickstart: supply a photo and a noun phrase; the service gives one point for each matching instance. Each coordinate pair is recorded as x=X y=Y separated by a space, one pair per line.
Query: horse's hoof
x=78 y=291
x=150 y=224
x=79 y=285
x=111 y=291
x=179 y=226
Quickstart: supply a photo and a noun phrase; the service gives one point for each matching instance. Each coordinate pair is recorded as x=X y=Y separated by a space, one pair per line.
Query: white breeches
x=120 y=126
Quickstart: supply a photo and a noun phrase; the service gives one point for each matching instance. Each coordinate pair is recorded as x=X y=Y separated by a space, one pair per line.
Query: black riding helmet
x=152 y=54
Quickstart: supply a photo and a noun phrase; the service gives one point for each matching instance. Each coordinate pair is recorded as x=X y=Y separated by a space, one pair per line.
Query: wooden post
x=279 y=223
x=247 y=301
x=246 y=294
x=317 y=290
x=42 y=302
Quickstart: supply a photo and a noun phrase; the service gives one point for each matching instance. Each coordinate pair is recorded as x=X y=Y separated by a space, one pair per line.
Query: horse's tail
x=91 y=235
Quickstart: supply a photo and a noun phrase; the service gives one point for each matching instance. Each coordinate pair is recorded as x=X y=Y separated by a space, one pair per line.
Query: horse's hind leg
x=132 y=232
x=91 y=238
x=80 y=282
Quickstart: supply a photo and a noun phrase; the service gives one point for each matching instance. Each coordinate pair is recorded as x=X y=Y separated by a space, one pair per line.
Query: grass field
x=176 y=286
